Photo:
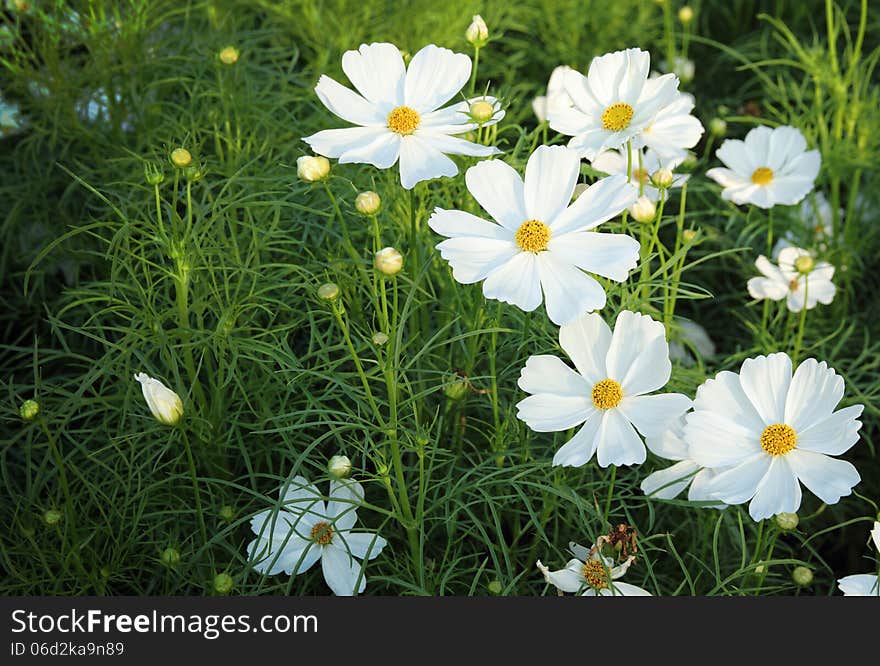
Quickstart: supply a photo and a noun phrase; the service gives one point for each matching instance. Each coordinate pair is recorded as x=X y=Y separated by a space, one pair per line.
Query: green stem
x=610 y=493
x=195 y=484
x=801 y=325
x=338 y=312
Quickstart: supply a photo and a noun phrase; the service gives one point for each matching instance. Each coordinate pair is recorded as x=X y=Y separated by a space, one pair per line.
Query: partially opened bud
x=643 y=210
x=339 y=466
x=389 y=261
x=165 y=405
x=482 y=111
x=328 y=291
x=29 y=410
x=312 y=168
x=368 y=203
x=662 y=178
x=181 y=157
x=477 y=32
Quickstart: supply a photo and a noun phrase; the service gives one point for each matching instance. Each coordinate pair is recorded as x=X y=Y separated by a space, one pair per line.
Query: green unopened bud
x=481 y=111
x=685 y=14
x=802 y=576
x=229 y=55
x=181 y=157
x=495 y=587
x=153 y=174
x=105 y=572
x=368 y=203
x=786 y=521
x=689 y=235
x=804 y=264
x=312 y=168
x=456 y=389
x=689 y=161
x=52 y=517
x=477 y=32
x=379 y=338
x=718 y=126
x=226 y=513
x=29 y=410
x=643 y=210
x=389 y=261
x=328 y=291
x=193 y=173
x=170 y=557
x=339 y=466
x=223 y=583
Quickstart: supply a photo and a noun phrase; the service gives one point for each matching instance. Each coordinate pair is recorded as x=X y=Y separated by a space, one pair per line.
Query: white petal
x=778 y=492
x=670 y=443
x=377 y=71
x=434 y=76
x=633 y=333
x=451 y=223
x=860 y=585
x=714 y=440
x=813 y=394
x=734 y=154
x=548 y=374
x=568 y=579
x=619 y=588
x=517 y=282
x=568 y=291
x=765 y=381
x=299 y=495
x=652 y=415
x=499 y=190
x=382 y=151
x=604 y=199
x=551 y=174
x=650 y=370
x=761 y=288
x=829 y=479
x=699 y=492
x=579 y=449
x=727 y=179
x=619 y=444
x=610 y=255
x=345 y=497
x=473 y=259
x=545 y=412
x=341 y=572
x=347 y=104
x=362 y=545
x=451 y=145
x=335 y=142
x=724 y=396
x=420 y=161
x=833 y=435
x=670 y=482
x=740 y=483
x=586 y=341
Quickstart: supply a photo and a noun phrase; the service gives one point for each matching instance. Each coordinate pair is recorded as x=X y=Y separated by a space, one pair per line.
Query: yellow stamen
x=640 y=175
x=778 y=439
x=595 y=574
x=762 y=176
x=533 y=236
x=607 y=394
x=617 y=116
x=404 y=120
x=322 y=533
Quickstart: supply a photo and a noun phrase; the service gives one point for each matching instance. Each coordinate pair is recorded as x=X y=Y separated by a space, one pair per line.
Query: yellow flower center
x=595 y=574
x=533 y=236
x=793 y=285
x=778 y=439
x=617 y=116
x=404 y=120
x=762 y=176
x=322 y=533
x=640 y=175
x=607 y=394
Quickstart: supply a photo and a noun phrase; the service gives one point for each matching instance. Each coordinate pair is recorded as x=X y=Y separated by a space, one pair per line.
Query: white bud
x=643 y=210
x=662 y=178
x=389 y=261
x=477 y=32
x=368 y=203
x=312 y=168
x=339 y=466
x=165 y=405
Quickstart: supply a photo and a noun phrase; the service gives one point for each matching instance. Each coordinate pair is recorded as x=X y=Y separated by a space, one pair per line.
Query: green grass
x=90 y=294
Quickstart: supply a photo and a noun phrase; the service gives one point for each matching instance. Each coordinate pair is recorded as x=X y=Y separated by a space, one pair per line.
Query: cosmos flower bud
x=29 y=410
x=495 y=587
x=686 y=14
x=229 y=55
x=456 y=388
x=662 y=178
x=481 y=111
x=165 y=405
x=170 y=557
x=312 y=168
x=804 y=264
x=226 y=513
x=643 y=210
x=181 y=157
x=223 y=583
x=389 y=261
x=689 y=235
x=52 y=517
x=379 y=338
x=193 y=173
x=153 y=174
x=786 y=521
x=718 y=126
x=368 y=203
x=339 y=466
x=477 y=32
x=328 y=291
x=802 y=576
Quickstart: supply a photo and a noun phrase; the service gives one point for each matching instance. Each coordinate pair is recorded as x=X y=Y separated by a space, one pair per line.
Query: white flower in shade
x=799 y=279
x=592 y=574
x=556 y=98
x=771 y=166
x=398 y=112
x=817 y=224
x=859 y=585
x=613 y=103
x=692 y=338
x=670 y=482
x=165 y=405
x=608 y=393
x=642 y=171
x=540 y=242
x=303 y=530
x=673 y=130
x=774 y=431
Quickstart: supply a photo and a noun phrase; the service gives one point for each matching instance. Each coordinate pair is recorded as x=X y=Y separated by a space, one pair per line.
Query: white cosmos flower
x=771 y=166
x=613 y=103
x=859 y=585
x=875 y=535
x=673 y=130
x=398 y=114
x=798 y=278
x=816 y=224
x=556 y=98
x=615 y=162
x=539 y=242
x=608 y=391
x=303 y=530
x=670 y=482
x=774 y=431
x=165 y=405
x=592 y=574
